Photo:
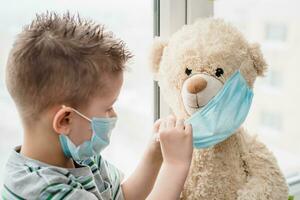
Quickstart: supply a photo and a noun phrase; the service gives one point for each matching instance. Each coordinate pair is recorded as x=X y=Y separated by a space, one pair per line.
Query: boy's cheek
x=80 y=133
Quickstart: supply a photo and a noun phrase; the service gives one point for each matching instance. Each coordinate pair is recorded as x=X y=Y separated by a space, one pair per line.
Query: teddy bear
x=191 y=68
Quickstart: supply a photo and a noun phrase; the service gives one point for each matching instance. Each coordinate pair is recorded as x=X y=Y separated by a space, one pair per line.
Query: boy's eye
x=219 y=72
x=188 y=71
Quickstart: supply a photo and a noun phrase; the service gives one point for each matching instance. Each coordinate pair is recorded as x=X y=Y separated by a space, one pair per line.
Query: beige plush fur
x=240 y=167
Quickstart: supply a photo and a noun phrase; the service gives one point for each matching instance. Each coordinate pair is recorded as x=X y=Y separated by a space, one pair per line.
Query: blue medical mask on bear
x=223 y=114
x=101 y=132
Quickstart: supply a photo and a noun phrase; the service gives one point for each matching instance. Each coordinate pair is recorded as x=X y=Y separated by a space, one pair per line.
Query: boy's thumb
x=156 y=125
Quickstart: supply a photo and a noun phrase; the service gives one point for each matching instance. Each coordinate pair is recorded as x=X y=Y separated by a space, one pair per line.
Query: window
x=273 y=81
x=274 y=114
x=135 y=104
x=271 y=122
x=275 y=32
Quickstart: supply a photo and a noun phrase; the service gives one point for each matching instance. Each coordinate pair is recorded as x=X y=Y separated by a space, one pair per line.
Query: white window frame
x=169 y=16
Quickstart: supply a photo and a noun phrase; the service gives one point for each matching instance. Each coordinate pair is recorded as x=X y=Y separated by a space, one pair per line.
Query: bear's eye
x=188 y=71
x=219 y=72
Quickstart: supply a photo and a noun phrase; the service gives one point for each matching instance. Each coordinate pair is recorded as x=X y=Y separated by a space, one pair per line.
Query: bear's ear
x=156 y=53
x=258 y=60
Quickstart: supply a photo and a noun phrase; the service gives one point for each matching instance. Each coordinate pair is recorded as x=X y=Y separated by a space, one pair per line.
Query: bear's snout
x=198 y=90
x=196 y=84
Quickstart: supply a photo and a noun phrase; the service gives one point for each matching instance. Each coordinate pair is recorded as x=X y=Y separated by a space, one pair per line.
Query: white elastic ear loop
x=77 y=112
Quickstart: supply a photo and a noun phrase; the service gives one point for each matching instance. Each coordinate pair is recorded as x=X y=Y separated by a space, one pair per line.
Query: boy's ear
x=156 y=53
x=259 y=62
x=61 y=121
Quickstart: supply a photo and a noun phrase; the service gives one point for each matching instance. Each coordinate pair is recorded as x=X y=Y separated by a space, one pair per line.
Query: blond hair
x=60 y=59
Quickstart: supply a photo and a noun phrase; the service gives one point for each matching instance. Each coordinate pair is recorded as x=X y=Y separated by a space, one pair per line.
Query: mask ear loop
x=80 y=114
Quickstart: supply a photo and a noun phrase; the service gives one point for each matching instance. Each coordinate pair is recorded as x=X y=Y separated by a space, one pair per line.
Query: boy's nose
x=196 y=84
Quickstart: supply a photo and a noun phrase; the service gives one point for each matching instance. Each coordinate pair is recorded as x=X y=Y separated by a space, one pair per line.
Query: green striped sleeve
x=56 y=191
x=9 y=194
x=60 y=191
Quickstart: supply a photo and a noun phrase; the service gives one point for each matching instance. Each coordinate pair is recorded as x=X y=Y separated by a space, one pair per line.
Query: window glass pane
x=275 y=32
x=275 y=112
x=130 y=20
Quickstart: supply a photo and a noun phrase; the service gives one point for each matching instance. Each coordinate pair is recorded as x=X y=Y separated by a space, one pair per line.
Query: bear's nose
x=196 y=84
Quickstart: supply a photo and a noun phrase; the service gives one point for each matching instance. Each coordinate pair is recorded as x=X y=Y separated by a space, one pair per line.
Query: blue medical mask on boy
x=101 y=132
x=223 y=114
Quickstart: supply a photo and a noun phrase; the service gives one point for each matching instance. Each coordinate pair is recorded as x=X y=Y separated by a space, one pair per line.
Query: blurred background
x=274 y=115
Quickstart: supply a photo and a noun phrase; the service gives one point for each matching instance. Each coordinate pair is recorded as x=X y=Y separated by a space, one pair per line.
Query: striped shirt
x=26 y=178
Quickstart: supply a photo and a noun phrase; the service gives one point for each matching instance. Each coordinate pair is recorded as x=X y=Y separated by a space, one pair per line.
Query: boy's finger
x=156 y=125
x=171 y=122
x=162 y=126
x=188 y=129
x=156 y=137
x=180 y=124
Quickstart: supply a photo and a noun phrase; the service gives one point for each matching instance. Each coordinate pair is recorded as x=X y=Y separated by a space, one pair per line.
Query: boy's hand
x=154 y=146
x=176 y=142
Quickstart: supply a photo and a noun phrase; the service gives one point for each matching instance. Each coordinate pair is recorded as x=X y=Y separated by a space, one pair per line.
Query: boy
x=65 y=74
